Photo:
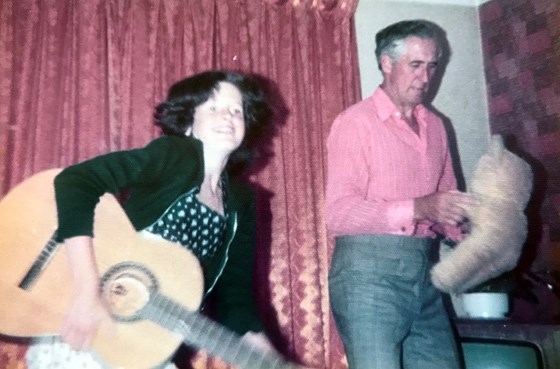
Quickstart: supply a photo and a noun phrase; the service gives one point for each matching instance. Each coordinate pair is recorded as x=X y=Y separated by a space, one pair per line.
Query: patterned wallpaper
x=521 y=46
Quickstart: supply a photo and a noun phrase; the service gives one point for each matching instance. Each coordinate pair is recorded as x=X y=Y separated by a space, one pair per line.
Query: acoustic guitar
x=152 y=287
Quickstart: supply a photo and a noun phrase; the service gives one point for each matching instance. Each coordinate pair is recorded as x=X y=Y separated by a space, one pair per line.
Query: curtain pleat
x=81 y=78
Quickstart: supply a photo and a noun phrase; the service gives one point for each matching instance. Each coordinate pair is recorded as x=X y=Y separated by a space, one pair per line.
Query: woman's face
x=219 y=122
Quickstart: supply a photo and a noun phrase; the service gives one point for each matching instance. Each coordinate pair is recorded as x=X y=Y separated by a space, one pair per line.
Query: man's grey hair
x=391 y=39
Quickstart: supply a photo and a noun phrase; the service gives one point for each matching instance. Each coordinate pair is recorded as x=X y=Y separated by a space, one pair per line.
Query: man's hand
x=444 y=207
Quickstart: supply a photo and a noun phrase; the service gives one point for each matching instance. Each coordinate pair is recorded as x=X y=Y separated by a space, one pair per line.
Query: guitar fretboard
x=202 y=333
x=40 y=263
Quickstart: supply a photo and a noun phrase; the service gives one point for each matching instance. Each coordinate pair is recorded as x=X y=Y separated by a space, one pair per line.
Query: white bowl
x=486 y=305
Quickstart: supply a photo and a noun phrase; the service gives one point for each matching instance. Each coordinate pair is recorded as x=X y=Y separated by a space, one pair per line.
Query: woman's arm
x=87 y=310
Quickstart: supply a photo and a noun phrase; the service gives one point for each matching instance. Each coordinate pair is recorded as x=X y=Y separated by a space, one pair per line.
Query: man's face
x=406 y=80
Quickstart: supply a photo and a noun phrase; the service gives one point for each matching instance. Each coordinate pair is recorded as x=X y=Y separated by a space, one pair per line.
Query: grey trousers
x=387 y=312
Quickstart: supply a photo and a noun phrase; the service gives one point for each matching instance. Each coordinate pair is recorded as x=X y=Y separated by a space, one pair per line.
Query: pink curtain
x=80 y=78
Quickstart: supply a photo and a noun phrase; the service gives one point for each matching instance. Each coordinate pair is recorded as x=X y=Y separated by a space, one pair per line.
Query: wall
x=521 y=40
x=462 y=95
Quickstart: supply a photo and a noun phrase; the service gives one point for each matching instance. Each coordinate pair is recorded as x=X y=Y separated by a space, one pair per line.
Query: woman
x=211 y=122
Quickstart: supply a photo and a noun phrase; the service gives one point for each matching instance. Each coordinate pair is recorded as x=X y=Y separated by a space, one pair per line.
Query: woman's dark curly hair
x=175 y=115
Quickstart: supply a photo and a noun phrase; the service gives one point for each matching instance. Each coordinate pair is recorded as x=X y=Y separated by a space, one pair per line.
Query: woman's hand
x=259 y=341
x=87 y=310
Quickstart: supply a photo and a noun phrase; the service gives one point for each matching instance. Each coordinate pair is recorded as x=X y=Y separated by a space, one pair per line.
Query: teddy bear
x=502 y=182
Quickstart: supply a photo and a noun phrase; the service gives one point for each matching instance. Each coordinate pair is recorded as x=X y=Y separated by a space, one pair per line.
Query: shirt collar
x=390 y=115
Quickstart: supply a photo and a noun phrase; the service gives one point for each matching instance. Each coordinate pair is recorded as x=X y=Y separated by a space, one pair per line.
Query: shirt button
x=403 y=229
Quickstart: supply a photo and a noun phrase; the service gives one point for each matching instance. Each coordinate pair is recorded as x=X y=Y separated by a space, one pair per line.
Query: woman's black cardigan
x=154 y=177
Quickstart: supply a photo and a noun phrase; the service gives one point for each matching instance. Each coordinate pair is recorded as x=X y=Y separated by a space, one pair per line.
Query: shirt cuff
x=400 y=217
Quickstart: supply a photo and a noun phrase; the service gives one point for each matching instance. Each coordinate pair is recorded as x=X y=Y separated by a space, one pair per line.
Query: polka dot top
x=192 y=224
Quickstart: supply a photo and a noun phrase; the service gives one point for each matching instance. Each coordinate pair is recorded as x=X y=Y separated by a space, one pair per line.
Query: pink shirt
x=377 y=165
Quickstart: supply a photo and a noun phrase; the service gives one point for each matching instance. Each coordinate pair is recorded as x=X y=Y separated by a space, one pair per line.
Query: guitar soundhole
x=127 y=288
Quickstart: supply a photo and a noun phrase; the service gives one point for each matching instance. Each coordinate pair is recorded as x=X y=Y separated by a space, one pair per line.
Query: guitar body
x=133 y=268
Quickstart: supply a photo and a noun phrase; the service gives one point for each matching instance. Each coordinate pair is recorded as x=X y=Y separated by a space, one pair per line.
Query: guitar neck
x=202 y=333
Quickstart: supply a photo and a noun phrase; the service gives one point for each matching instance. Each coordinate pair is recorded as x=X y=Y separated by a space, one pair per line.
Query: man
x=390 y=187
